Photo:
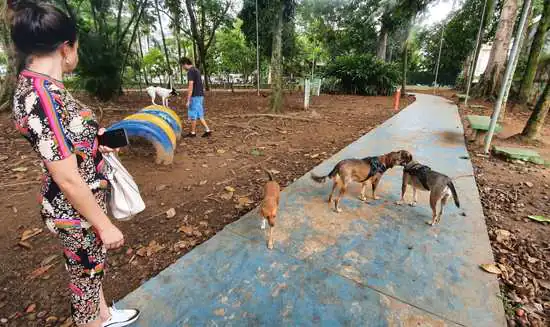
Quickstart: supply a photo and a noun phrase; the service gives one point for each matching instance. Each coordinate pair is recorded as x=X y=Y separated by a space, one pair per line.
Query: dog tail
x=455 y=196
x=321 y=179
x=269 y=174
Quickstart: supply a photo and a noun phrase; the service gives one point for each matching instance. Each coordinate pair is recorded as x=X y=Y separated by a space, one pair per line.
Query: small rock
x=171 y=213
x=160 y=187
x=529 y=184
x=3 y=321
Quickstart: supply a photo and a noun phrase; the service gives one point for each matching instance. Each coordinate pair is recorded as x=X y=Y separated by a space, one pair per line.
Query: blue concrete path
x=375 y=264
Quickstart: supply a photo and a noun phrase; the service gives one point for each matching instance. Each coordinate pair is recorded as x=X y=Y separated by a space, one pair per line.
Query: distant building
x=485 y=52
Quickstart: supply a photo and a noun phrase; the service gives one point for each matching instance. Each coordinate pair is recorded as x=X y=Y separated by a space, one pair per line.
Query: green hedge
x=360 y=74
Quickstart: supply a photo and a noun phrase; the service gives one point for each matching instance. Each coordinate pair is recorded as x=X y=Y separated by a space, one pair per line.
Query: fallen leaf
x=186 y=230
x=181 y=245
x=3 y=158
x=313 y=156
x=14 y=209
x=30 y=233
x=244 y=201
x=204 y=166
x=529 y=184
x=150 y=249
x=490 y=268
x=229 y=189
x=40 y=271
x=25 y=245
x=539 y=218
x=275 y=172
x=30 y=308
x=203 y=182
x=160 y=187
x=256 y=152
x=544 y=283
x=220 y=151
x=49 y=260
x=502 y=235
x=20 y=169
x=171 y=213
x=226 y=196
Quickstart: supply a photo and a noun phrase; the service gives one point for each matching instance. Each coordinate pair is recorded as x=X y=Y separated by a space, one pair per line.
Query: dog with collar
x=440 y=186
x=163 y=93
x=361 y=171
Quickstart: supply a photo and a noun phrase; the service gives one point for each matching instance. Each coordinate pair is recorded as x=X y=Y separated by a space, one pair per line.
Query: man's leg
x=192 y=116
x=200 y=114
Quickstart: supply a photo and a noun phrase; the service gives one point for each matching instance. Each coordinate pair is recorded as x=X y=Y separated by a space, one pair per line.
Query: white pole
x=257 y=52
x=306 y=94
x=472 y=69
x=508 y=75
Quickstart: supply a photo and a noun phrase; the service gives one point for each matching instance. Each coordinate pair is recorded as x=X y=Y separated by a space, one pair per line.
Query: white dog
x=153 y=91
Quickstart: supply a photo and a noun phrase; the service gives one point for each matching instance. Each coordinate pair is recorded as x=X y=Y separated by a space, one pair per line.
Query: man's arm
x=189 y=92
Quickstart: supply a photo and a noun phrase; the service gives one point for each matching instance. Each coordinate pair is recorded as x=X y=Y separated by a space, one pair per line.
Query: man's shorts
x=196 y=108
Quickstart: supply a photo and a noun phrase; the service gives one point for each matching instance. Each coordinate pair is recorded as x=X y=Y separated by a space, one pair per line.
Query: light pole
x=257 y=52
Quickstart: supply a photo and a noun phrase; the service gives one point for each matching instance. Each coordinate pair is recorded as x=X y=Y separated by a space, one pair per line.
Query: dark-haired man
x=195 y=98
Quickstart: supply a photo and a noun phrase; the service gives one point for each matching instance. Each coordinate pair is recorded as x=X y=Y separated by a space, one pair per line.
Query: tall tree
x=177 y=23
x=492 y=79
x=7 y=86
x=276 y=60
x=166 y=56
x=534 y=125
x=205 y=17
x=534 y=54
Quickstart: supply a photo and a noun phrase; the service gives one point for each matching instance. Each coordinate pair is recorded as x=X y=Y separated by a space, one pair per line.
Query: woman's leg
x=104 y=312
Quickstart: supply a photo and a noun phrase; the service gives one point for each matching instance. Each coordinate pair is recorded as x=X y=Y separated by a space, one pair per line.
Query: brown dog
x=422 y=177
x=360 y=171
x=270 y=204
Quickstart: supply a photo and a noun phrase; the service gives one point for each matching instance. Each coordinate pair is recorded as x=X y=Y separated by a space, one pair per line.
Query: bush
x=361 y=74
x=98 y=71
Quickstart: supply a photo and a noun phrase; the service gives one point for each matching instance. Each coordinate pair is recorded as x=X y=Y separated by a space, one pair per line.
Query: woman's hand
x=102 y=148
x=112 y=237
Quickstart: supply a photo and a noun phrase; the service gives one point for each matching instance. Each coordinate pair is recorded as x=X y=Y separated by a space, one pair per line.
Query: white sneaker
x=120 y=318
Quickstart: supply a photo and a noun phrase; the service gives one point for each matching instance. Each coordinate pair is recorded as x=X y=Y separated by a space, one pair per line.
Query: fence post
x=396 y=98
x=306 y=94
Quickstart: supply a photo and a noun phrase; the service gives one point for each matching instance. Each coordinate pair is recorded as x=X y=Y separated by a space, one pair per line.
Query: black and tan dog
x=360 y=171
x=440 y=186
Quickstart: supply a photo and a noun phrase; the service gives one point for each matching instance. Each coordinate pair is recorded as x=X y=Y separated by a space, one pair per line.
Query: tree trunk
x=382 y=43
x=7 y=87
x=276 y=62
x=179 y=53
x=489 y=11
x=163 y=39
x=492 y=78
x=534 y=125
x=515 y=63
x=141 y=54
x=534 y=54
x=404 y=72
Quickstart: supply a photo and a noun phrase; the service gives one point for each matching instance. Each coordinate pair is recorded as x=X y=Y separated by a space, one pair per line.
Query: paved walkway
x=374 y=264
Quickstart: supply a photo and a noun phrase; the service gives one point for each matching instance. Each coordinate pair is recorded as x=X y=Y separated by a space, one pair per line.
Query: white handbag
x=125 y=200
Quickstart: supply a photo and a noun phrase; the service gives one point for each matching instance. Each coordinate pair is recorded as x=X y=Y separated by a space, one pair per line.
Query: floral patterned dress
x=57 y=126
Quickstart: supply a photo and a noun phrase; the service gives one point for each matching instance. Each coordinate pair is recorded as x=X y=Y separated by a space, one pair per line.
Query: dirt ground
x=510 y=192
x=211 y=183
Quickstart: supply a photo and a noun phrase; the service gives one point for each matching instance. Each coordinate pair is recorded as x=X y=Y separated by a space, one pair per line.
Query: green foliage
x=155 y=64
x=231 y=54
x=362 y=74
x=3 y=58
x=99 y=67
x=267 y=13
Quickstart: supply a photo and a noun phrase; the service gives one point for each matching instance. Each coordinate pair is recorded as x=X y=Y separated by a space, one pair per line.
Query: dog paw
x=412 y=204
x=376 y=197
x=400 y=202
x=431 y=223
x=270 y=245
x=338 y=210
x=363 y=198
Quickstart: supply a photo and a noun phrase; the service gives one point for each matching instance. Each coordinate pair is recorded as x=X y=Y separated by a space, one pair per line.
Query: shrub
x=361 y=74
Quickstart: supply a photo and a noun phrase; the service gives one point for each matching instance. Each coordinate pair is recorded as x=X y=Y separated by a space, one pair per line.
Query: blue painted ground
x=375 y=264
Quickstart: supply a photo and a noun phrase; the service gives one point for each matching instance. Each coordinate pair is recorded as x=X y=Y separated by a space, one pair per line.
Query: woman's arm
x=65 y=174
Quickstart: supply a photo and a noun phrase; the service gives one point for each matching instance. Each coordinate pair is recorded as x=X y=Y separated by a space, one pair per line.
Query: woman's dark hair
x=38 y=28
x=185 y=61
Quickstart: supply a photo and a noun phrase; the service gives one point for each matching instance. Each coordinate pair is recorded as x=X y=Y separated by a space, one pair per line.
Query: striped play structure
x=159 y=125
